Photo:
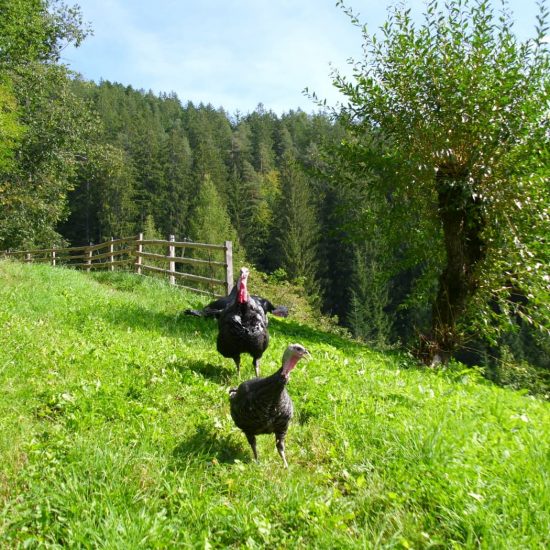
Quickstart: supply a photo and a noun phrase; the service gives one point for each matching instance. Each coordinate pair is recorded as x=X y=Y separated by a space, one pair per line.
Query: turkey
x=263 y=406
x=242 y=326
x=214 y=308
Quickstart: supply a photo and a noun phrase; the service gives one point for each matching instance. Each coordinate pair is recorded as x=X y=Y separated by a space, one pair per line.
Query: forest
x=415 y=214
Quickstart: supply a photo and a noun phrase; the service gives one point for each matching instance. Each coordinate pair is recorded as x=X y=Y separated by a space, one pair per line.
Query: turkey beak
x=307 y=355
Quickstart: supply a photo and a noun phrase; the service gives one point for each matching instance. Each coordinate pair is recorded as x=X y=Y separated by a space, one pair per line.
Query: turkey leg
x=252 y=440
x=280 y=443
x=256 y=363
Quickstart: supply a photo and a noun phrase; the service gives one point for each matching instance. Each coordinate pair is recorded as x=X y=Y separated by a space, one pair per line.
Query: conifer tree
x=175 y=195
x=262 y=124
x=210 y=223
x=297 y=232
x=368 y=318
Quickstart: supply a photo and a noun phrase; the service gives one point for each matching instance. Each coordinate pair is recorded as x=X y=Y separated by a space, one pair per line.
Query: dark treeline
x=195 y=172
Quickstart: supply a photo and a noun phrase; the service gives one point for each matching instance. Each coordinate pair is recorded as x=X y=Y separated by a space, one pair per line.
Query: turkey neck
x=288 y=365
x=274 y=385
x=242 y=292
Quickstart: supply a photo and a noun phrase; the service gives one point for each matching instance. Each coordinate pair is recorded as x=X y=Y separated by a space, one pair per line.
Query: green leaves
x=45 y=126
x=11 y=130
x=462 y=109
x=37 y=31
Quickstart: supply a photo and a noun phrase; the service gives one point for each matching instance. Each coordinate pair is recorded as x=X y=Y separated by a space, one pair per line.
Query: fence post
x=28 y=257
x=89 y=260
x=139 y=250
x=171 y=263
x=228 y=266
x=53 y=257
x=112 y=256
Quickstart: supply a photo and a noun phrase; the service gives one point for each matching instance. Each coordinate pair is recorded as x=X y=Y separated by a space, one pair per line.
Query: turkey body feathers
x=262 y=405
x=242 y=328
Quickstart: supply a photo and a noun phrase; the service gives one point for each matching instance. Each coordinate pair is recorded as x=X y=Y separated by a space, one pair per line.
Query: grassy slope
x=115 y=432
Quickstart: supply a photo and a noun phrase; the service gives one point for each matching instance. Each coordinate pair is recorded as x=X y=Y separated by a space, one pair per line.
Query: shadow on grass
x=214 y=373
x=167 y=324
x=293 y=330
x=208 y=444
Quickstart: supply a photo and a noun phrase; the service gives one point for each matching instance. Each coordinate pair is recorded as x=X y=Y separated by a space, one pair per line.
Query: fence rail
x=130 y=254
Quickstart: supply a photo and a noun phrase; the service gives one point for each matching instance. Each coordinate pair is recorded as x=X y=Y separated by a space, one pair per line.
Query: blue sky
x=234 y=54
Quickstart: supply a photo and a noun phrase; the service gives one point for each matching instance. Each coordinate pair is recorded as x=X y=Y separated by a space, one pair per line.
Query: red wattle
x=242 y=294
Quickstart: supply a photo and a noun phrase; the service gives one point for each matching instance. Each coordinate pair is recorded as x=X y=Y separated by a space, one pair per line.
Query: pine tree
x=368 y=318
x=175 y=195
x=297 y=232
x=210 y=224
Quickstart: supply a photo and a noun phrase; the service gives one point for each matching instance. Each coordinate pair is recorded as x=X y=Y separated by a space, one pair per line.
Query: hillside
x=115 y=432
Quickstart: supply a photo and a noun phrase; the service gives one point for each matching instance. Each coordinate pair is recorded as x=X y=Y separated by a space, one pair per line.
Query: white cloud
x=231 y=54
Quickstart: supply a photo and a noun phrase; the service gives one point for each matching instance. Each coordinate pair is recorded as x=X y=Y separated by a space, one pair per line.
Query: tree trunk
x=462 y=223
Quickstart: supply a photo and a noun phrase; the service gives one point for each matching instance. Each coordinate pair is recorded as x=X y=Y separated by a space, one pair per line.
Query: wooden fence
x=142 y=256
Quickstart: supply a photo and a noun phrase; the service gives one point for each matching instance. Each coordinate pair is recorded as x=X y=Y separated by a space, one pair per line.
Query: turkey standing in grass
x=242 y=327
x=263 y=406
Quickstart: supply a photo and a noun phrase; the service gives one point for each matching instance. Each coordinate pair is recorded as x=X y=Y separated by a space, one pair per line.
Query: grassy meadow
x=115 y=433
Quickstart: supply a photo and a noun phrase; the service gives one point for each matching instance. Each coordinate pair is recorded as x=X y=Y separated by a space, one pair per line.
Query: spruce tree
x=368 y=317
x=175 y=195
x=210 y=223
x=297 y=231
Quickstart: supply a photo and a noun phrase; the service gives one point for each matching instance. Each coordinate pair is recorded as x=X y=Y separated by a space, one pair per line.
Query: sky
x=235 y=54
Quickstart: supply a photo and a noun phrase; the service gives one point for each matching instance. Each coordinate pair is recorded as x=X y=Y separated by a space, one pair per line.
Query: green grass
x=115 y=433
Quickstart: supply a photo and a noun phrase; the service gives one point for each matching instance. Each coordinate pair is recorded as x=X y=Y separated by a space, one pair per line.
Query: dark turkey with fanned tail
x=263 y=405
x=242 y=326
x=214 y=308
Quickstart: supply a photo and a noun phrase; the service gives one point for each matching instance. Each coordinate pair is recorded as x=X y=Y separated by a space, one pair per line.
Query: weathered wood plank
x=129 y=261
x=178 y=260
x=200 y=291
x=183 y=244
x=128 y=251
x=66 y=257
x=70 y=248
x=171 y=264
x=139 y=250
x=228 y=267
x=197 y=278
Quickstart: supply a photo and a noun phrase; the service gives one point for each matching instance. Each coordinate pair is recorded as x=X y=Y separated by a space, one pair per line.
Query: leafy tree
x=11 y=130
x=58 y=129
x=57 y=125
x=460 y=110
x=37 y=31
